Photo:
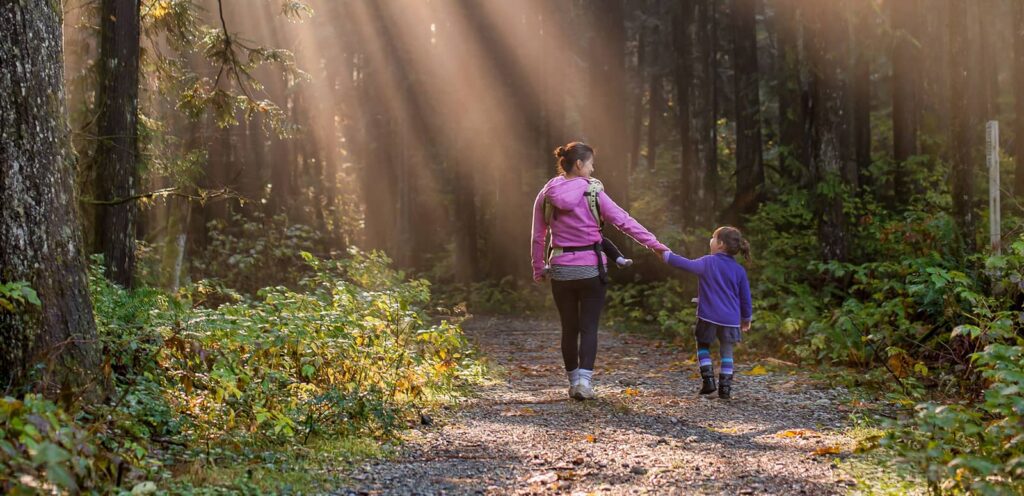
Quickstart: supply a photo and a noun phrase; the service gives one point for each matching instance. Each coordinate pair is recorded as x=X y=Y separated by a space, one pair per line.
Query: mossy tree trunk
x=40 y=239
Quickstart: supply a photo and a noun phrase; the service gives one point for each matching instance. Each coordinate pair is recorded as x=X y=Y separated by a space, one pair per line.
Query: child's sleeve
x=746 y=307
x=540 y=230
x=694 y=266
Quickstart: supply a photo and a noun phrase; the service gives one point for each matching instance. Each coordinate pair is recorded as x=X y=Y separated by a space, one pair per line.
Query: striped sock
x=726 y=349
x=727 y=366
x=704 y=359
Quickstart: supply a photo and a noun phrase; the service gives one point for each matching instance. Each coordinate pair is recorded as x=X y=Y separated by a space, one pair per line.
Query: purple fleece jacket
x=723 y=291
x=574 y=225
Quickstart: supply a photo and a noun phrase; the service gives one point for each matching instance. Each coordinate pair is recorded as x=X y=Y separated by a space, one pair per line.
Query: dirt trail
x=648 y=433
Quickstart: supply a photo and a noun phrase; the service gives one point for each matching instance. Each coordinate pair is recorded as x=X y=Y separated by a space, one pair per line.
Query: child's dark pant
x=727 y=337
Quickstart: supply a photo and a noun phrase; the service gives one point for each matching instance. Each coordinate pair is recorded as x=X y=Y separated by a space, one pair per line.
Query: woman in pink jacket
x=577 y=263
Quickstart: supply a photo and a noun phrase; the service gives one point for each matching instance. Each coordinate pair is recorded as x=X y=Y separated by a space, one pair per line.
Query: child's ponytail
x=734 y=242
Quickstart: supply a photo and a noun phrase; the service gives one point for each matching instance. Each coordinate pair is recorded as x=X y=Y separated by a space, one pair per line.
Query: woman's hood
x=565 y=194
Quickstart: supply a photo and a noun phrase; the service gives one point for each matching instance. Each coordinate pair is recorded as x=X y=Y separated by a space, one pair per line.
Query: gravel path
x=648 y=433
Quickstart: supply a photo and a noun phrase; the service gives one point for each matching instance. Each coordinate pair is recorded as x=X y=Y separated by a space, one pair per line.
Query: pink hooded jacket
x=573 y=225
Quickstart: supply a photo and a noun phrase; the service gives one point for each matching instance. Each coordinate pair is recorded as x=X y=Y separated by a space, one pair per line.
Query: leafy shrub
x=16 y=295
x=977 y=448
x=252 y=253
x=349 y=353
x=507 y=296
x=43 y=450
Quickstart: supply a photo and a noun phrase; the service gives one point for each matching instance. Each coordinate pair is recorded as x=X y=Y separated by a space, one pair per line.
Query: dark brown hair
x=733 y=240
x=569 y=154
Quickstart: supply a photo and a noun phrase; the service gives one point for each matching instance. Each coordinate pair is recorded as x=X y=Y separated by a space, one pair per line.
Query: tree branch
x=202 y=197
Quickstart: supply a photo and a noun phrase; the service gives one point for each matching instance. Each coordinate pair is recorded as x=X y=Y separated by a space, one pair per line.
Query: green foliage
x=252 y=253
x=16 y=295
x=973 y=448
x=348 y=354
x=43 y=449
x=666 y=305
x=507 y=296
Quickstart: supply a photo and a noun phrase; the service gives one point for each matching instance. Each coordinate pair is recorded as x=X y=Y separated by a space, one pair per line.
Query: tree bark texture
x=749 y=165
x=117 y=144
x=40 y=238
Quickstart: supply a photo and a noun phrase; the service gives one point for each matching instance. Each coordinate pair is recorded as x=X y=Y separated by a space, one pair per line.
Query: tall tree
x=705 y=101
x=638 y=100
x=682 y=43
x=826 y=39
x=116 y=154
x=906 y=90
x=860 y=88
x=656 y=100
x=749 y=165
x=790 y=88
x=961 y=137
x=1018 y=46
x=40 y=239
x=605 y=110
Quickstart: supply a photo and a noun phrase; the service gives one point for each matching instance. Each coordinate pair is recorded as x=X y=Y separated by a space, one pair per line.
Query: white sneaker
x=584 y=390
x=572 y=390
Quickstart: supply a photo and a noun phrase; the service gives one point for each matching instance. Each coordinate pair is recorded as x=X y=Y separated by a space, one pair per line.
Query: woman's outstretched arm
x=616 y=216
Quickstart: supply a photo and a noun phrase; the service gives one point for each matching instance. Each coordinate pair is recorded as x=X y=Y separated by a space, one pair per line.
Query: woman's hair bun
x=560 y=152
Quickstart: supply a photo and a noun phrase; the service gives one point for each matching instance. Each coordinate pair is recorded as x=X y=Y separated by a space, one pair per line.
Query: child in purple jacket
x=723 y=303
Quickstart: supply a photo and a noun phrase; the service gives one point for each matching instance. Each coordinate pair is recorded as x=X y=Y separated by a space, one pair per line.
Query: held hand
x=745 y=326
x=661 y=255
x=543 y=275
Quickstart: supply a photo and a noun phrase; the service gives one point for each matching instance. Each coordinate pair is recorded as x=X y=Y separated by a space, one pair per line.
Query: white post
x=992 y=149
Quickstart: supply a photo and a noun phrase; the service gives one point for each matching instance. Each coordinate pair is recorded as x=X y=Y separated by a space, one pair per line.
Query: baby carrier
x=594 y=190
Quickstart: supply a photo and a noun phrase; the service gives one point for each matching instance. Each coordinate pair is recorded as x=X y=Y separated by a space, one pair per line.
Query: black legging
x=579 y=304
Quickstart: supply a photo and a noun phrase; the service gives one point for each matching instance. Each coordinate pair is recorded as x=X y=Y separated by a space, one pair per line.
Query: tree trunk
x=117 y=146
x=40 y=238
x=792 y=115
x=906 y=92
x=704 y=108
x=826 y=32
x=711 y=175
x=1018 y=44
x=605 y=122
x=861 y=92
x=656 y=100
x=961 y=139
x=638 y=102
x=682 y=41
x=604 y=115
x=987 y=81
x=749 y=166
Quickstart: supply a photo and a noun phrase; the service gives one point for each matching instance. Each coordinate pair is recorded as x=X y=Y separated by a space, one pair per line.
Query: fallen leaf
x=796 y=433
x=758 y=370
x=591 y=438
x=631 y=392
x=827 y=450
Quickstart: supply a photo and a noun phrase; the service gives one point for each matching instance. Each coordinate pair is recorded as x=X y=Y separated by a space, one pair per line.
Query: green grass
x=876 y=470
